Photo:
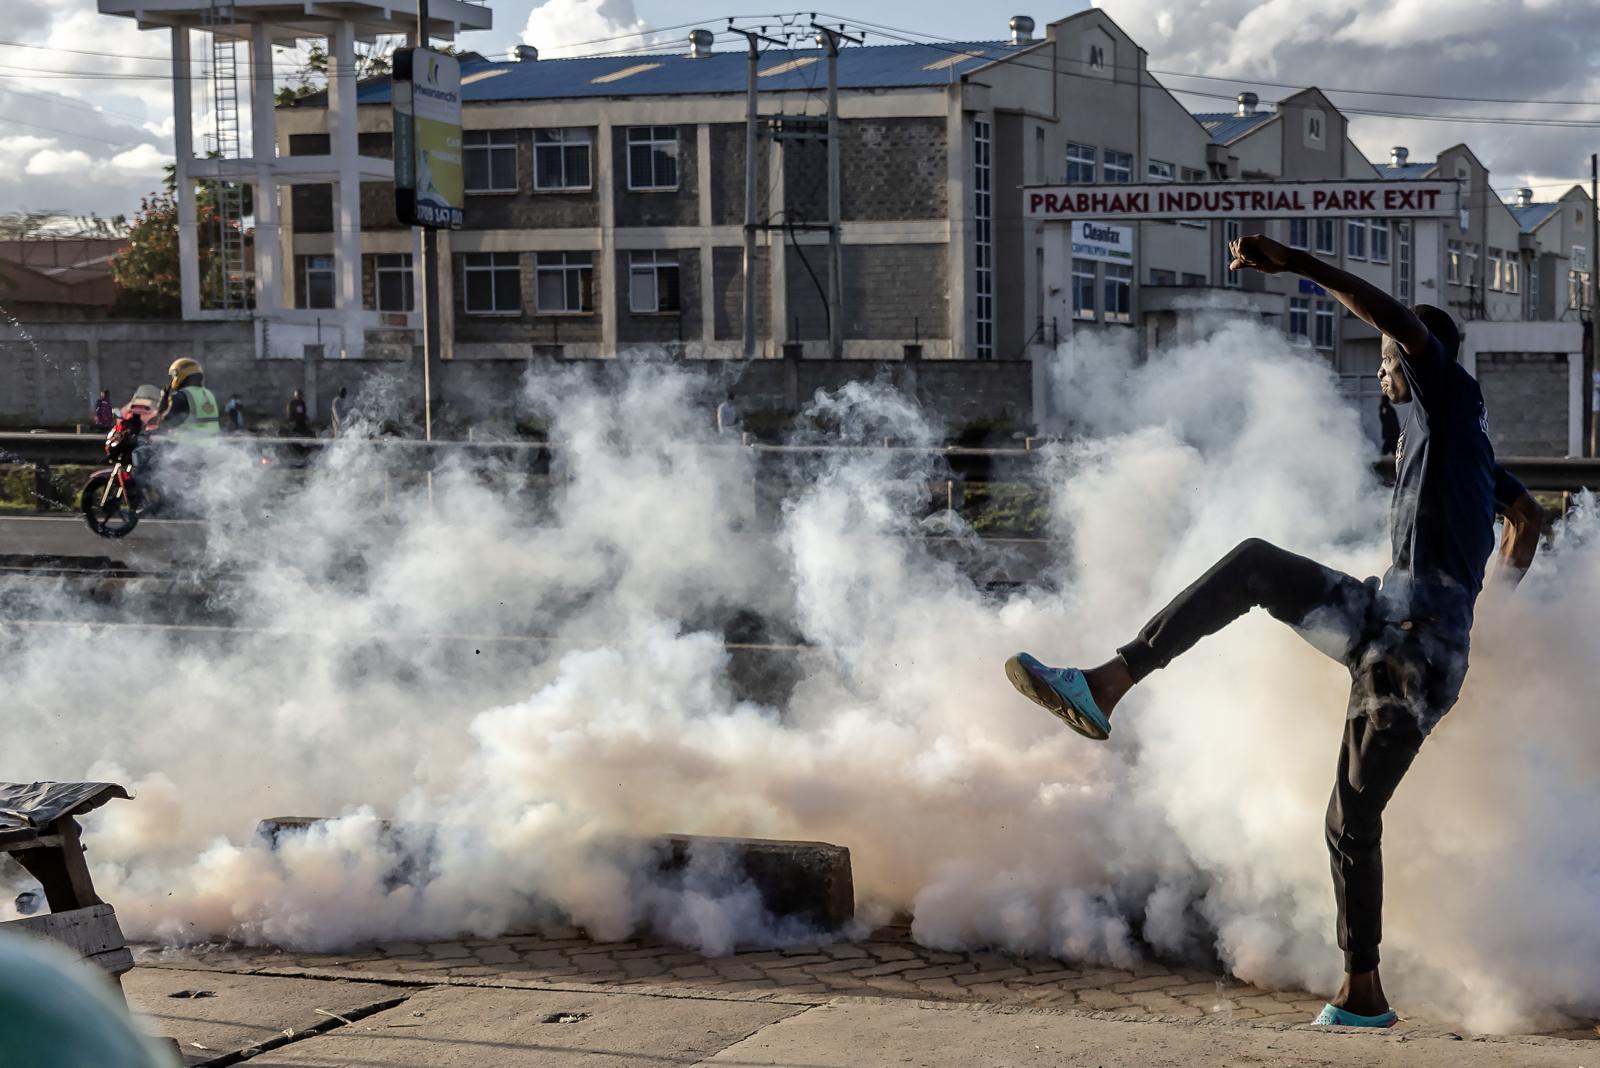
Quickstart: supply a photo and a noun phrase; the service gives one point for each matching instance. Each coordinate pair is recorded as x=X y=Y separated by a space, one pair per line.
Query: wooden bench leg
x=61 y=871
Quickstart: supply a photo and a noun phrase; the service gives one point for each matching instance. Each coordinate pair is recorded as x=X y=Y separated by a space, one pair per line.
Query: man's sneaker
x=1063 y=691
x=1333 y=1016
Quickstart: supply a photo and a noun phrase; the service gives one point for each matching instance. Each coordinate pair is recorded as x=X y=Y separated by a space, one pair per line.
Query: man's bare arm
x=1519 y=541
x=1367 y=301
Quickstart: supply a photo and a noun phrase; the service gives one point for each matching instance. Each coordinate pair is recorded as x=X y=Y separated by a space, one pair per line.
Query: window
x=1323 y=311
x=492 y=283
x=316 y=282
x=1118 y=293
x=1577 y=284
x=489 y=161
x=983 y=239
x=1469 y=264
x=1083 y=289
x=1192 y=174
x=1097 y=57
x=1355 y=239
x=1511 y=273
x=1534 y=310
x=1042 y=168
x=1327 y=237
x=563 y=283
x=1402 y=243
x=1380 y=241
x=652 y=158
x=1158 y=277
x=1230 y=233
x=652 y=282
x=1300 y=318
x=1580 y=258
x=1080 y=163
x=392 y=289
x=561 y=159
x=1496 y=277
x=1190 y=279
x=1119 y=166
x=1300 y=233
x=1159 y=171
x=1452 y=263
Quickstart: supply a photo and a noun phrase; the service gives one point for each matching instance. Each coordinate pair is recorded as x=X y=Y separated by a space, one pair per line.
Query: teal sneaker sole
x=1042 y=693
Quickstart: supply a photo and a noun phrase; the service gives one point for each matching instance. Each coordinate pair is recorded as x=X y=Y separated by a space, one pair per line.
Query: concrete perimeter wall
x=52 y=371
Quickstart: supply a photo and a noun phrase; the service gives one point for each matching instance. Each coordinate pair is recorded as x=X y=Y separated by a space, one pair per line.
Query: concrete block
x=808 y=881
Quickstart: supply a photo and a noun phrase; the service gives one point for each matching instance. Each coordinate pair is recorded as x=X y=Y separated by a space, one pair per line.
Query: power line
x=66 y=133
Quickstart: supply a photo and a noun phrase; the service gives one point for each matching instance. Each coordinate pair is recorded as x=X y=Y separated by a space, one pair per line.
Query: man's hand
x=1524 y=523
x=1259 y=252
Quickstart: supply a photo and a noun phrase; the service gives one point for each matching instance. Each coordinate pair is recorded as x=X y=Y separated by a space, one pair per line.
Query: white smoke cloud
x=584 y=27
x=1197 y=831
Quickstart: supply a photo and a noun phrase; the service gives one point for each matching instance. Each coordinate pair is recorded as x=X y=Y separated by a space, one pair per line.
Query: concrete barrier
x=806 y=881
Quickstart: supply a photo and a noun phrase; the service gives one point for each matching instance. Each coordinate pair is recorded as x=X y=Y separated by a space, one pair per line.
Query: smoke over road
x=1197 y=830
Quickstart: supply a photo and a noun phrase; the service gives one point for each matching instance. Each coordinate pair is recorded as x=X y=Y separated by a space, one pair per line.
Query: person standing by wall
x=104 y=411
x=727 y=416
x=296 y=415
x=235 y=413
x=341 y=412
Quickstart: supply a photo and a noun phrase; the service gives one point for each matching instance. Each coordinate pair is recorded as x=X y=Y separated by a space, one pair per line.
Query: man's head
x=105 y=394
x=1390 y=375
x=184 y=371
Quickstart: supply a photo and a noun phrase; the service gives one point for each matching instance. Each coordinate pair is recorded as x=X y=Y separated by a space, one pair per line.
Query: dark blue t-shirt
x=1446 y=491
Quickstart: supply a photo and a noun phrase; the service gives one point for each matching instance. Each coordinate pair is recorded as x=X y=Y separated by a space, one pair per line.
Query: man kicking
x=1404 y=640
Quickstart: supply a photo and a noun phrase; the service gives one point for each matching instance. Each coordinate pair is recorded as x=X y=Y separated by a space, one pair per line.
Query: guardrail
x=1547 y=474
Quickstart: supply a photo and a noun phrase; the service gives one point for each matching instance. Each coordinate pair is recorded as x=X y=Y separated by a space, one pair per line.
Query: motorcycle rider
x=188 y=408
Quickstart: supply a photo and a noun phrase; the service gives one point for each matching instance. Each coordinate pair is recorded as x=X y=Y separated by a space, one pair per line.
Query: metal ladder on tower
x=232 y=290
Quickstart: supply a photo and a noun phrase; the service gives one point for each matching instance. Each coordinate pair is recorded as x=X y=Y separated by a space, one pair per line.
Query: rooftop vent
x=700 y=42
x=1398 y=156
x=1524 y=197
x=1247 y=104
x=525 y=53
x=1021 y=29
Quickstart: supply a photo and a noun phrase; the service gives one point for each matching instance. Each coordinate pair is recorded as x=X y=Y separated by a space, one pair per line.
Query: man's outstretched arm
x=1367 y=301
x=1519 y=541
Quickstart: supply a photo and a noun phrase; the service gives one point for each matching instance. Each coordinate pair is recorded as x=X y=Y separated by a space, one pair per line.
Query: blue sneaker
x=1063 y=691
x=1333 y=1016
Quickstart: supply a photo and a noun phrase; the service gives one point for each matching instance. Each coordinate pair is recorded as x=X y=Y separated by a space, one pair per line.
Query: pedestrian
x=235 y=413
x=727 y=416
x=341 y=411
x=1388 y=427
x=1404 y=640
x=297 y=417
x=105 y=413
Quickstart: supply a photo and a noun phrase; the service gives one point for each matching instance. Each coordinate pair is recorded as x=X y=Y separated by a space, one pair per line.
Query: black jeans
x=1404 y=676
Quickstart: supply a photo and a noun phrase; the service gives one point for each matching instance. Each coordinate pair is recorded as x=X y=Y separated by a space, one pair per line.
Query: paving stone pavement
x=887 y=964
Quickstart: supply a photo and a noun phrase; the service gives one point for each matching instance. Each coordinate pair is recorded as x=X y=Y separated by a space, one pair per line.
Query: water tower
x=231 y=165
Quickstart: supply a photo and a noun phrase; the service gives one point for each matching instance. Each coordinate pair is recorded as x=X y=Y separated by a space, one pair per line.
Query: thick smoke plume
x=379 y=682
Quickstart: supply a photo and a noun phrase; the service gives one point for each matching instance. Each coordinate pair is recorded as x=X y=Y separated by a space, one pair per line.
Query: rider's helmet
x=181 y=369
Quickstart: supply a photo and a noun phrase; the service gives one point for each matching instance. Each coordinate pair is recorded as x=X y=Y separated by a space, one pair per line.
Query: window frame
x=1452 y=263
x=1153 y=172
x=1079 y=165
x=408 y=283
x=1403 y=267
x=1493 y=274
x=1232 y=230
x=562 y=143
x=1512 y=278
x=1376 y=227
x=1304 y=244
x=653 y=139
x=574 y=268
x=1119 y=162
x=1300 y=308
x=651 y=263
x=1355 y=239
x=490 y=264
x=1331 y=228
x=1169 y=278
x=1116 y=278
x=332 y=273
x=1084 y=275
x=493 y=142
x=1322 y=311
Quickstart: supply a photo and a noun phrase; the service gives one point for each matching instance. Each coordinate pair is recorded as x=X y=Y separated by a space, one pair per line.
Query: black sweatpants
x=1404 y=676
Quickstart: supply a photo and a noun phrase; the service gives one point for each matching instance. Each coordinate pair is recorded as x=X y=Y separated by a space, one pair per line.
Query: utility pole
x=430 y=286
x=752 y=119
x=829 y=39
x=1594 y=305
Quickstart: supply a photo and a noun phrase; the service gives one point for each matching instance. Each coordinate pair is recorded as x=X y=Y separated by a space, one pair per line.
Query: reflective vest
x=204 y=415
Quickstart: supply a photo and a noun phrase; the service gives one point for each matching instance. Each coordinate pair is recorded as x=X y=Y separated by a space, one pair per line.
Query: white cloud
x=53 y=161
x=145 y=159
x=580 y=27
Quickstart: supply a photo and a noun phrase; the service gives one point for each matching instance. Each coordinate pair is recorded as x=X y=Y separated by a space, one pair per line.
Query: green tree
x=311 y=71
x=146 y=272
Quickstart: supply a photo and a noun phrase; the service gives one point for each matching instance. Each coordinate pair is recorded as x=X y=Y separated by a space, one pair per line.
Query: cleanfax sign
x=426 y=91
x=1102 y=242
x=1243 y=200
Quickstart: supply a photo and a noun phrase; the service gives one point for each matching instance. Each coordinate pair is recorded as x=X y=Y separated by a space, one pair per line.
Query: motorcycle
x=113 y=498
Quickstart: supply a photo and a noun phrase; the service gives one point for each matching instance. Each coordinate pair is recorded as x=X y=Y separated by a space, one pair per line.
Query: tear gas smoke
x=1196 y=831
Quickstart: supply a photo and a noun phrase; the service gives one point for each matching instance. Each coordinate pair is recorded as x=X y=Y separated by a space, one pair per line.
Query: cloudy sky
x=86 y=118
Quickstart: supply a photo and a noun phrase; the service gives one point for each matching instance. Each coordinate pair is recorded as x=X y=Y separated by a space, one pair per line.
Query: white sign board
x=1102 y=242
x=1243 y=200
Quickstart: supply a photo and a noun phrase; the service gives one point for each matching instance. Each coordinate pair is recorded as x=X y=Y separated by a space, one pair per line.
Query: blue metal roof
x=1405 y=170
x=1226 y=126
x=676 y=74
x=1529 y=216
